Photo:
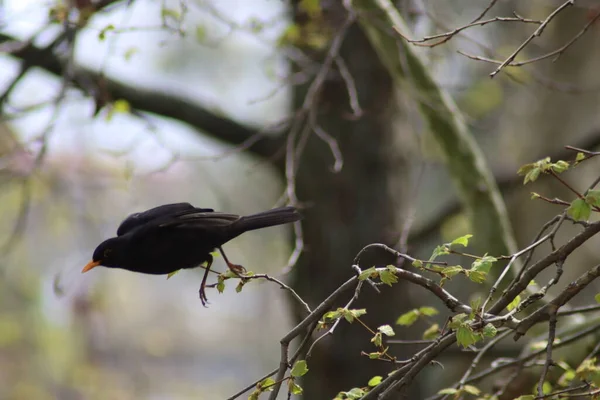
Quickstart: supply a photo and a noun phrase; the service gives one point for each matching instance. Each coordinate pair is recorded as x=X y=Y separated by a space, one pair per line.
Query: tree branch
x=154 y=101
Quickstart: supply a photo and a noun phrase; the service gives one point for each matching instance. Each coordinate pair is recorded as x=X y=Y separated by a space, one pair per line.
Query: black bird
x=171 y=237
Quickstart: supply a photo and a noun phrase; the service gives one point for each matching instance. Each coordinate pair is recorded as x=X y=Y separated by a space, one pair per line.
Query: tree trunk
x=347 y=210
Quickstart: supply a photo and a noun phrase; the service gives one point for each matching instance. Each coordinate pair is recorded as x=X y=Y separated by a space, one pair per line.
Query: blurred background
x=193 y=101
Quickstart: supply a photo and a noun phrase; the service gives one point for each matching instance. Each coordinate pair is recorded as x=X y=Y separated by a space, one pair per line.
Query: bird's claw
x=203 y=298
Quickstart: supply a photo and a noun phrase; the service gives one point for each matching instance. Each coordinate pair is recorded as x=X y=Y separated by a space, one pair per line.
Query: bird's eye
x=107 y=253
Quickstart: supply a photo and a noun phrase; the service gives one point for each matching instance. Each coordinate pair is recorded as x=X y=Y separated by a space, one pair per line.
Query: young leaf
x=597 y=298
x=451 y=271
x=293 y=387
x=471 y=390
x=417 y=264
x=532 y=175
x=579 y=210
x=170 y=274
x=489 y=330
x=377 y=340
x=439 y=251
x=239 y=286
x=593 y=198
x=368 y=273
x=408 y=318
x=357 y=312
x=374 y=381
x=514 y=303
x=462 y=241
x=465 y=336
x=448 y=391
x=386 y=330
x=355 y=394
x=428 y=311
x=546 y=387
x=560 y=166
x=299 y=369
x=477 y=276
x=388 y=277
x=267 y=384
x=431 y=332
x=483 y=264
x=457 y=320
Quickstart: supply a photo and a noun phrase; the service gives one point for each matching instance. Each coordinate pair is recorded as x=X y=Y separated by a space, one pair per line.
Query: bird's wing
x=201 y=220
x=157 y=213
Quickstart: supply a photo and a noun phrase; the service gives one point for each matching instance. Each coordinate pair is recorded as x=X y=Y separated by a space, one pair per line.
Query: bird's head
x=107 y=254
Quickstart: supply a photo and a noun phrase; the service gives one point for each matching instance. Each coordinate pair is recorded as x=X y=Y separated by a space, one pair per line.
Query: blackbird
x=171 y=237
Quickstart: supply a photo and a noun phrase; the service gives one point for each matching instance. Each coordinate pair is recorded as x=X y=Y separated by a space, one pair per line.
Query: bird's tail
x=277 y=216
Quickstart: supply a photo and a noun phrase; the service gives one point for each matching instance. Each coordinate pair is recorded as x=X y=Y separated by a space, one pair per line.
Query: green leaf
x=299 y=369
x=489 y=331
x=375 y=355
x=546 y=387
x=465 y=336
x=417 y=264
x=593 y=198
x=374 y=381
x=377 y=340
x=525 y=397
x=408 y=318
x=428 y=311
x=388 y=277
x=294 y=388
x=239 y=286
x=355 y=394
x=439 y=251
x=580 y=157
x=579 y=210
x=431 y=332
x=476 y=303
x=477 y=276
x=267 y=384
x=514 y=303
x=220 y=286
x=255 y=394
x=597 y=298
x=348 y=316
x=448 y=391
x=462 y=241
x=471 y=390
x=359 y=312
x=560 y=166
x=386 y=330
x=368 y=273
x=483 y=264
x=170 y=274
x=333 y=315
x=457 y=320
x=453 y=270
x=532 y=175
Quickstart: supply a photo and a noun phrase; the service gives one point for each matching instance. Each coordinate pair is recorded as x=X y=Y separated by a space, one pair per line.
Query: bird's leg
x=237 y=269
x=202 y=291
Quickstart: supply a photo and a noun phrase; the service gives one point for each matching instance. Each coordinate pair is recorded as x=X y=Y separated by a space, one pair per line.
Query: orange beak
x=90 y=265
